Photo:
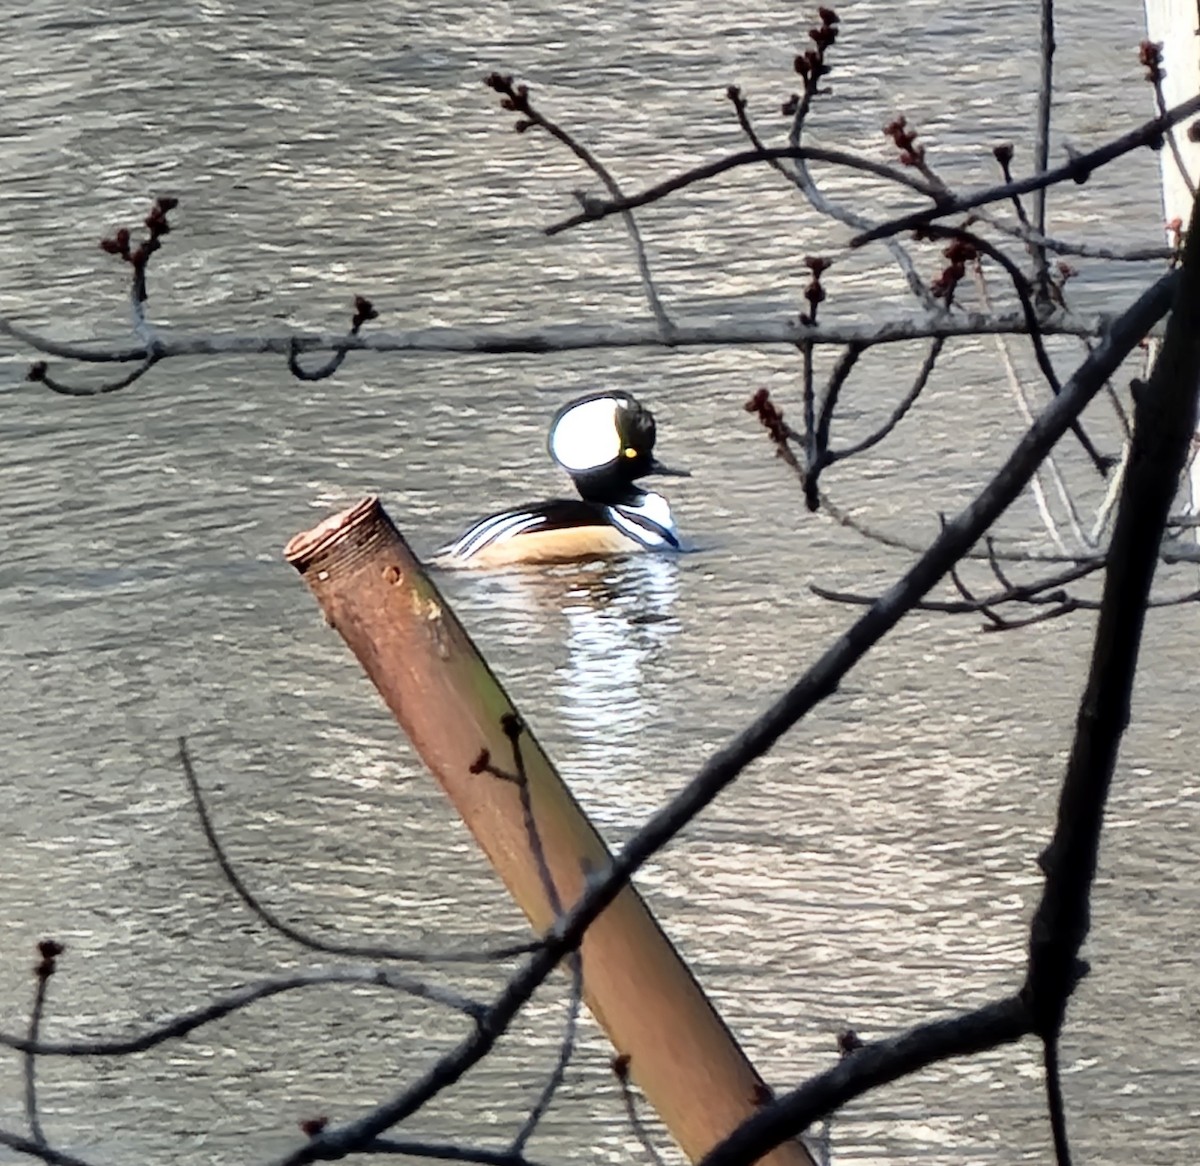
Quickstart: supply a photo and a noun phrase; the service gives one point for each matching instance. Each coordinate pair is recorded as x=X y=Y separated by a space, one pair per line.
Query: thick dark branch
x=867 y=1068
x=1164 y=421
x=1078 y=169
x=597 y=209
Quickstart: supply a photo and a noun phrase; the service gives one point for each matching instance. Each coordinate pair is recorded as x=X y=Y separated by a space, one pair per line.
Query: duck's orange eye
x=629 y=451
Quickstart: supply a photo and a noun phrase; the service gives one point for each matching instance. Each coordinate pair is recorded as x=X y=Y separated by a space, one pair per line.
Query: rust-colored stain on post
x=376 y=593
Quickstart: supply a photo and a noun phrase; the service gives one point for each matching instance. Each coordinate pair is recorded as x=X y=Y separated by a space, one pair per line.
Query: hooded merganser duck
x=605 y=442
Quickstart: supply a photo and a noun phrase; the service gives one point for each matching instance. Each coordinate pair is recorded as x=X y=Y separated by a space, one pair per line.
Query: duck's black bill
x=656 y=467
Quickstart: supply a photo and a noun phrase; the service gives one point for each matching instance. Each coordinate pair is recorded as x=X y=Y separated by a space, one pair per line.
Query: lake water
x=876 y=870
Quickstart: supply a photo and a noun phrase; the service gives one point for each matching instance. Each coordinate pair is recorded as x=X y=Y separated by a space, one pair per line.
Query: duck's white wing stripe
x=494 y=529
x=642 y=529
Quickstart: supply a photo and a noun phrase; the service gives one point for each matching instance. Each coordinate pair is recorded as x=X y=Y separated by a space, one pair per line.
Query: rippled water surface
x=878 y=868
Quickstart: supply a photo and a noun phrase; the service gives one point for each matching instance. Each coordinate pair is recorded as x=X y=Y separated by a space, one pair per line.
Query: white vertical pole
x=1175 y=24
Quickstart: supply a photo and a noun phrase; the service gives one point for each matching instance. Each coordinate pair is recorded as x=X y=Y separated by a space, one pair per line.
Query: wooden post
x=375 y=592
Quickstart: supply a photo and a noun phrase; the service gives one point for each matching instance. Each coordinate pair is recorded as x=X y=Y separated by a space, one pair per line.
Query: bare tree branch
x=898 y=413
x=240 y=998
x=1041 y=146
x=447 y=1152
x=45 y=1153
x=49 y=950
x=620 y=1067
x=873 y=1064
x=303 y=938
x=1164 y=421
x=598 y=209
x=1148 y=254
x=1077 y=169
x=516 y=99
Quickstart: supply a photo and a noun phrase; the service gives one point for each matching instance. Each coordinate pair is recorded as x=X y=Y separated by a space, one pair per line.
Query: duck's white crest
x=586 y=437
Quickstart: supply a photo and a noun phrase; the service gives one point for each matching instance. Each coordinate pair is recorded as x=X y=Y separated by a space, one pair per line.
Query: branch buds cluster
x=364 y=310
x=138 y=257
x=49 y=950
x=1003 y=153
x=814 y=292
x=959 y=253
x=1150 y=56
x=906 y=141
x=156 y=223
x=770 y=415
x=514 y=98
x=810 y=64
x=311 y=1127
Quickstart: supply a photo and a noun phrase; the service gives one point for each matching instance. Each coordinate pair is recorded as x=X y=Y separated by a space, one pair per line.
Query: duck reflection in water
x=605 y=626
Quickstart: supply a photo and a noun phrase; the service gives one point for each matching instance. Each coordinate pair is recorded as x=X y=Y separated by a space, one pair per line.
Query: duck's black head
x=605 y=441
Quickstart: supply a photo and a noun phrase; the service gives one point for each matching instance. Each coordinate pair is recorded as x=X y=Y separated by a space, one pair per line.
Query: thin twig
x=45 y=1153
x=513 y=727
x=898 y=542
x=1054 y=1102
x=566 y=1050
x=1034 y=592
x=1024 y=407
x=243 y=997
x=517 y=99
x=1041 y=145
x=49 y=950
x=1077 y=169
x=1067 y=247
x=833 y=390
x=1151 y=57
x=1024 y=293
x=39 y=374
x=898 y=413
x=621 y=1072
x=312 y=942
x=447 y=1152
x=364 y=310
x=598 y=209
